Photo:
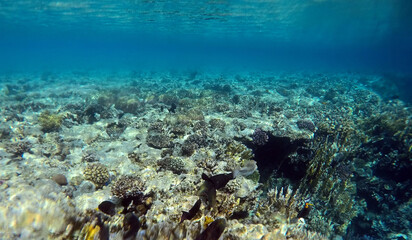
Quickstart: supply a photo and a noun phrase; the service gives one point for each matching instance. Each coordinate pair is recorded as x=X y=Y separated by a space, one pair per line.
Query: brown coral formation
x=96 y=173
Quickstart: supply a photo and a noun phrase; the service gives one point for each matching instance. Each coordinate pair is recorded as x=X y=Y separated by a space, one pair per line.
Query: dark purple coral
x=260 y=137
x=306 y=124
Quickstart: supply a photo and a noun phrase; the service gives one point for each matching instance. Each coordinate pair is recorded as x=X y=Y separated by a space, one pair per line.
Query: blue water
x=363 y=35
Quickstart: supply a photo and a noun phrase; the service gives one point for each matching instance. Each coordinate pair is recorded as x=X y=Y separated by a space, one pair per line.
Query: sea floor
x=333 y=156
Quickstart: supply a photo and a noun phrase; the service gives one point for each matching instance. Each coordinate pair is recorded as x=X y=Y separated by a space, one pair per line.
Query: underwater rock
x=89 y=156
x=224 y=89
x=168 y=99
x=60 y=179
x=200 y=127
x=178 y=130
x=129 y=104
x=4 y=132
x=19 y=148
x=188 y=148
x=193 y=114
x=85 y=187
x=35 y=211
x=156 y=127
x=196 y=140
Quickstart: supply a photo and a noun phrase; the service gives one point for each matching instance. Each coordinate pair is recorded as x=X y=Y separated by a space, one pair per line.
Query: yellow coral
x=238 y=151
x=50 y=122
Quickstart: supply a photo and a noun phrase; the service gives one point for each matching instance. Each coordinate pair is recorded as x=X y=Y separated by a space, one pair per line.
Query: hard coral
x=306 y=124
x=127 y=187
x=97 y=173
x=174 y=164
x=159 y=141
x=50 y=122
x=216 y=123
x=260 y=137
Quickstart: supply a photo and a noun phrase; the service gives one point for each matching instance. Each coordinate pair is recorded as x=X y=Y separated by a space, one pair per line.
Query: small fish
x=172 y=108
x=207 y=192
x=107 y=207
x=394 y=97
x=249 y=168
x=192 y=212
x=213 y=231
x=219 y=181
x=239 y=215
x=213 y=183
x=305 y=211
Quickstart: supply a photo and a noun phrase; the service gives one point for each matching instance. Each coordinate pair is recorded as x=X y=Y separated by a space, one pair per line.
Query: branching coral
x=328 y=181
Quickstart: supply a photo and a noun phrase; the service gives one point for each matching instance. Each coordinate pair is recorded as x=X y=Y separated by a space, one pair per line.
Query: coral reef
x=256 y=156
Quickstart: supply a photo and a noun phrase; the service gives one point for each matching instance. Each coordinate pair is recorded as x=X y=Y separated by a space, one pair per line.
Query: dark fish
x=208 y=193
x=172 y=108
x=132 y=226
x=394 y=97
x=213 y=231
x=107 y=207
x=239 y=215
x=219 y=181
x=211 y=184
x=305 y=211
x=192 y=212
